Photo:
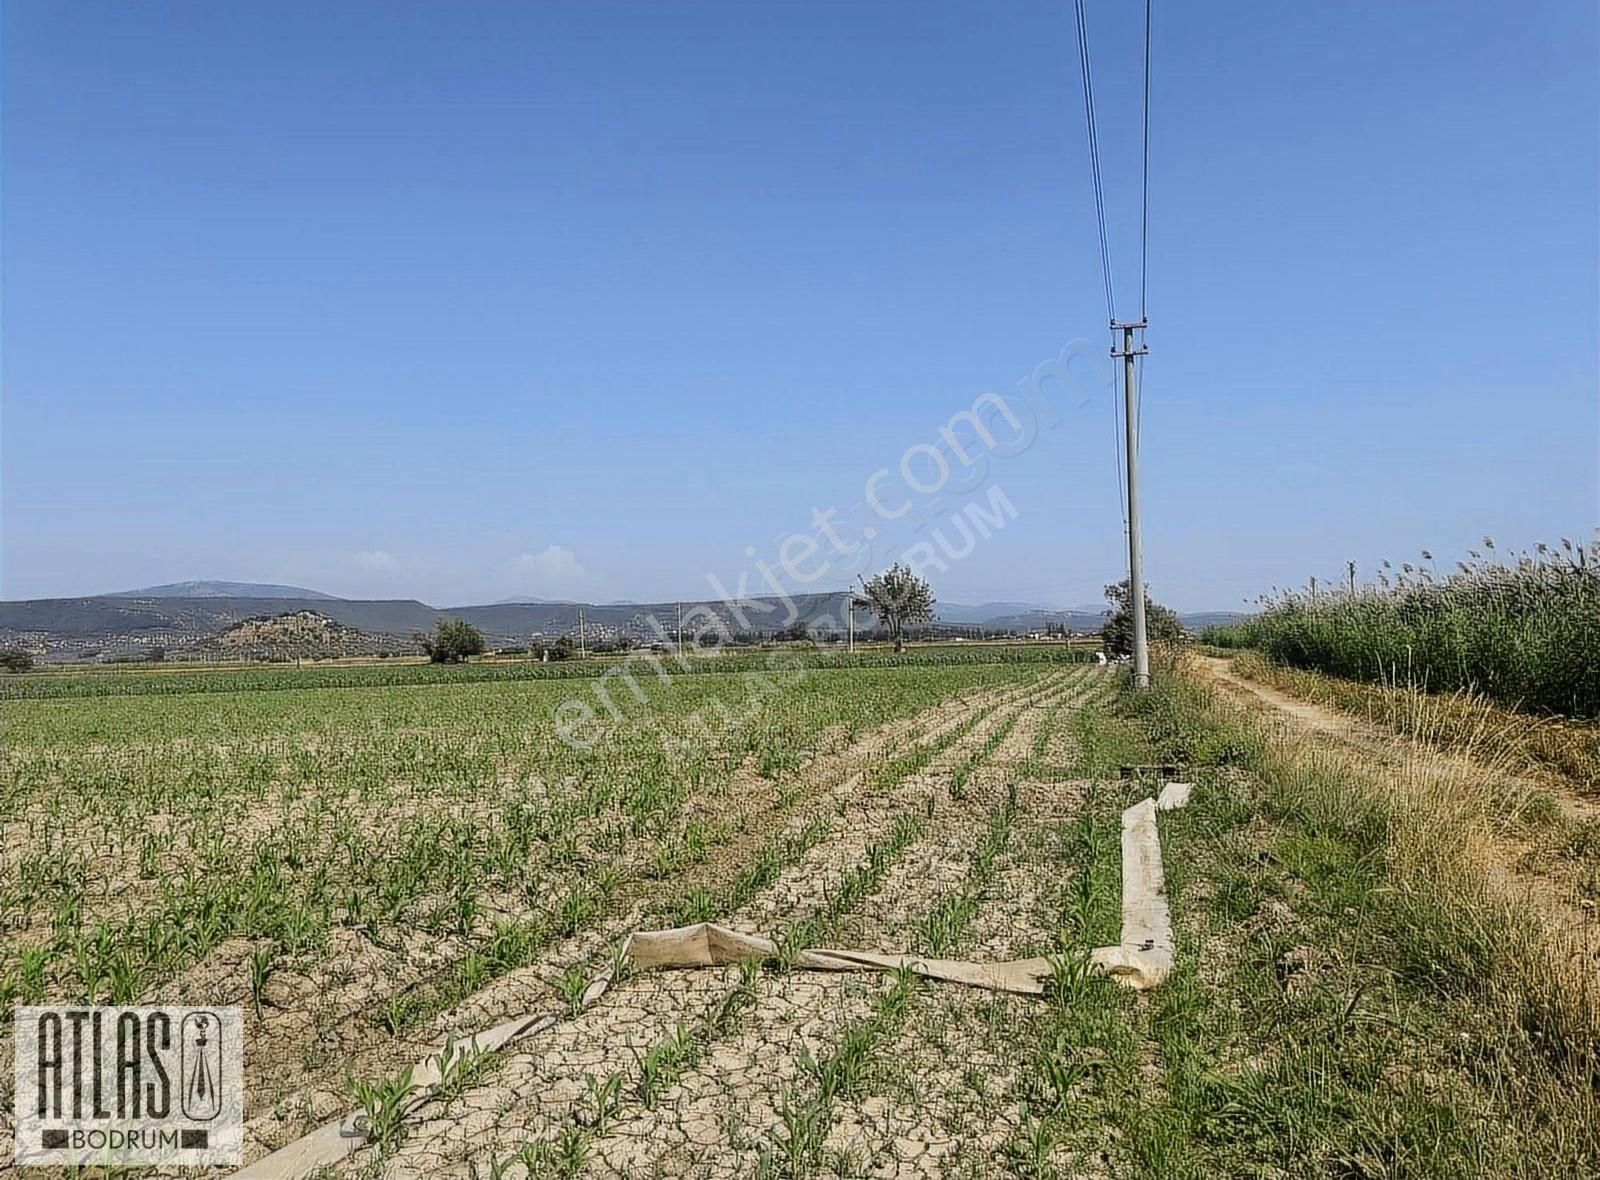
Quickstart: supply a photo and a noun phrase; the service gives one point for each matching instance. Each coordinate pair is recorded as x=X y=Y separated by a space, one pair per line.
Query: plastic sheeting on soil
x=1142 y=960
x=709 y=945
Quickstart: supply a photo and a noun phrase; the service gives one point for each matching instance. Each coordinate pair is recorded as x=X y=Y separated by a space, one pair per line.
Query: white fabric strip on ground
x=1142 y=960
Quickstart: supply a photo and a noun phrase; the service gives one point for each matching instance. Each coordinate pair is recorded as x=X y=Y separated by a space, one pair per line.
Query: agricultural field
x=373 y=871
x=179 y=679
x=568 y=611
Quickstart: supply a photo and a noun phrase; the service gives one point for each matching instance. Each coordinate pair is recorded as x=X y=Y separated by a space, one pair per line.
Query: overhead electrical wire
x=1144 y=218
x=1100 y=222
x=1100 y=215
x=1094 y=157
x=1116 y=449
x=1144 y=173
x=1094 y=164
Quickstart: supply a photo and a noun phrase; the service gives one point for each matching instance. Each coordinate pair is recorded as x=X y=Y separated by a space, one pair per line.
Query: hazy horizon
x=633 y=600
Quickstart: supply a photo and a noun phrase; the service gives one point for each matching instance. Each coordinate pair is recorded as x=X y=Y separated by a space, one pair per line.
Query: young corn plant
x=382 y=1105
x=661 y=1066
x=460 y=1065
x=572 y=984
x=261 y=965
x=604 y=1098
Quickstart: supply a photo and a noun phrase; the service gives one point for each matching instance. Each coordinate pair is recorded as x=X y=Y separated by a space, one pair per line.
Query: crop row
x=128 y=860
x=262 y=678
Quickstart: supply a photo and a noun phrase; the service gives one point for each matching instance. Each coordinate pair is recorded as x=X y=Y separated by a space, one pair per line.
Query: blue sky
x=458 y=301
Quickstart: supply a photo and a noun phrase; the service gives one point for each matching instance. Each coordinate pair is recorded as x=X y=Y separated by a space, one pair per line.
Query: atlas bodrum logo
x=200 y=1041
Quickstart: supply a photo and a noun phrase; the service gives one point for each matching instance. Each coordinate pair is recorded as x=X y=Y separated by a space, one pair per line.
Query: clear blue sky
x=457 y=300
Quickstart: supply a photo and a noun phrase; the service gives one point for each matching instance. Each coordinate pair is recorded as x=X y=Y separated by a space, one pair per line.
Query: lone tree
x=1160 y=623
x=897 y=596
x=452 y=641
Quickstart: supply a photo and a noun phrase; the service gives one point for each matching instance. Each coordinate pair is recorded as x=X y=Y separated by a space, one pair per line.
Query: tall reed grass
x=1524 y=631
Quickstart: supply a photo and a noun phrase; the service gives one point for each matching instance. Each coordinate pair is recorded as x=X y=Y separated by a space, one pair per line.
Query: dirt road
x=1533 y=864
x=1376 y=742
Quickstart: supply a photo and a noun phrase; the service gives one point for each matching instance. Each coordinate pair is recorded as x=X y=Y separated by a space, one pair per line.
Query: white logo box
x=115 y=1085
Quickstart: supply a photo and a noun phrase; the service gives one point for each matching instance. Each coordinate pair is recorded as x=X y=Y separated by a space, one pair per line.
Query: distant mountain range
x=190 y=616
x=224 y=590
x=956 y=612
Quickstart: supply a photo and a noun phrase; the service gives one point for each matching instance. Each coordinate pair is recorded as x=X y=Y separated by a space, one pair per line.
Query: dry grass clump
x=1519 y=955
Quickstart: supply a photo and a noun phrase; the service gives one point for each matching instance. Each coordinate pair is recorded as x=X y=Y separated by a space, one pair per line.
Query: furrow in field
x=955 y=1095
x=867 y=814
x=535 y=1093
x=942 y=858
x=725 y=1116
x=347 y=1046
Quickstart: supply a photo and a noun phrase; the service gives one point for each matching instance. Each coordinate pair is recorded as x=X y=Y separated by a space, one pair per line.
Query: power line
x=1144 y=174
x=1144 y=217
x=1094 y=156
x=1100 y=221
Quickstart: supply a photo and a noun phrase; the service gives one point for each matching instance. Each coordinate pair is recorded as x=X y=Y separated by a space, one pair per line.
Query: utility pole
x=1130 y=350
x=850 y=609
x=1350 y=567
x=680 y=632
x=583 y=648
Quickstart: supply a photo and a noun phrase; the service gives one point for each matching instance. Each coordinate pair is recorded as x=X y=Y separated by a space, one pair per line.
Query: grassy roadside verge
x=1355 y=995
x=1459 y=720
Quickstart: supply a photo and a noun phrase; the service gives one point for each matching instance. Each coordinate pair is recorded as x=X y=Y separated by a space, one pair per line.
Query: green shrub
x=14 y=659
x=1160 y=623
x=452 y=641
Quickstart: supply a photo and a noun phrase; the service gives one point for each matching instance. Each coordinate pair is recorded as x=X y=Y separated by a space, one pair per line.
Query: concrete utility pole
x=1129 y=351
x=850 y=609
x=583 y=648
x=680 y=631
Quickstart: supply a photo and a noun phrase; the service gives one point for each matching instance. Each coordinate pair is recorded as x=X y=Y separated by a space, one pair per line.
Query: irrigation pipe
x=1142 y=960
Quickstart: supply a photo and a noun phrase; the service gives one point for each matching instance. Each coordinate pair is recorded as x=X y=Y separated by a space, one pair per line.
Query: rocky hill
x=113 y=626
x=110 y=626
x=292 y=635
